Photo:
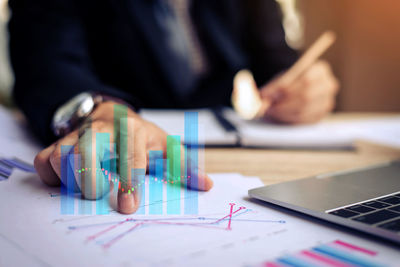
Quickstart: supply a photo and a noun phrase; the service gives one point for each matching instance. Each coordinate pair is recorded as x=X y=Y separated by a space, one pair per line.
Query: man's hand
x=141 y=137
x=307 y=100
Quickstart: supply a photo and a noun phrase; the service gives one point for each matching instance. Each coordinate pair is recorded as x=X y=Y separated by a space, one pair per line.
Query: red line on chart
x=230 y=216
x=93 y=237
x=353 y=247
x=110 y=243
x=204 y=225
x=142 y=222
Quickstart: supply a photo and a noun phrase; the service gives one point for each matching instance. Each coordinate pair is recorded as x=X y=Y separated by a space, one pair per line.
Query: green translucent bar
x=121 y=137
x=174 y=174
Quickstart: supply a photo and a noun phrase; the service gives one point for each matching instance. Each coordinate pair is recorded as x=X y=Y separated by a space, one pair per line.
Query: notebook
x=223 y=127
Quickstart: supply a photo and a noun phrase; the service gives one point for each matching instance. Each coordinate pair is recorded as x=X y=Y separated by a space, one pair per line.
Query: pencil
x=309 y=57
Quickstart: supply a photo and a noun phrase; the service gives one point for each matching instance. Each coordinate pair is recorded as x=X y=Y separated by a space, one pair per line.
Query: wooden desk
x=274 y=166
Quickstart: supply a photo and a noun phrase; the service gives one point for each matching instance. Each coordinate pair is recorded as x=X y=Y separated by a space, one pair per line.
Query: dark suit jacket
x=60 y=48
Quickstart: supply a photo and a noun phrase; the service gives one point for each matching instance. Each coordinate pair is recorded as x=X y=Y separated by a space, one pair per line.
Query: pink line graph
x=212 y=224
x=230 y=216
x=271 y=264
x=93 y=237
x=340 y=256
x=356 y=248
x=324 y=259
x=114 y=240
x=204 y=225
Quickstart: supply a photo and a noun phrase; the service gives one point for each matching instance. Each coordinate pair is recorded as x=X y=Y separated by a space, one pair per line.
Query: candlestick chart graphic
x=104 y=168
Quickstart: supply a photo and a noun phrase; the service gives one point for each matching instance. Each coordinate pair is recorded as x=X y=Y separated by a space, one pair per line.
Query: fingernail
x=126 y=203
x=208 y=184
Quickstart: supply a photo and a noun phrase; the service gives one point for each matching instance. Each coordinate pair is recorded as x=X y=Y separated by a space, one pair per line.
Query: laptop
x=366 y=199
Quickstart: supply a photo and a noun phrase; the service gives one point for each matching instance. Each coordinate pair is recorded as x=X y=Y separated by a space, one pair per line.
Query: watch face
x=77 y=108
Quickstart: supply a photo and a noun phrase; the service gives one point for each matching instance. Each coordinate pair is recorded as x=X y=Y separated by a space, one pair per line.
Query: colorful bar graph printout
x=337 y=254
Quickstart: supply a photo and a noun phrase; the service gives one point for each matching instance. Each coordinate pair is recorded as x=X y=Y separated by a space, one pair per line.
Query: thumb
x=199 y=180
x=272 y=91
x=196 y=179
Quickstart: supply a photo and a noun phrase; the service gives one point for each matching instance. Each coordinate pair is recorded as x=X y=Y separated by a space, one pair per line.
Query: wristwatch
x=75 y=111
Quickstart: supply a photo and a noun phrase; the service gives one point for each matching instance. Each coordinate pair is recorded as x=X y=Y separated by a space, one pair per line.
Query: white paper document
x=229 y=230
x=386 y=131
x=172 y=121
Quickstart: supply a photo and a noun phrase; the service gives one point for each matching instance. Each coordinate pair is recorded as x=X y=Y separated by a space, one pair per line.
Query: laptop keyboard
x=381 y=212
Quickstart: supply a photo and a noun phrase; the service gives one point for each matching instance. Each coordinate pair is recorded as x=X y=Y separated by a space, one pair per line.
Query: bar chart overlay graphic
x=99 y=168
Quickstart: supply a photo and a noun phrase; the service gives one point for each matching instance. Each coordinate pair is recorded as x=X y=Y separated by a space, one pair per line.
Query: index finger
x=132 y=164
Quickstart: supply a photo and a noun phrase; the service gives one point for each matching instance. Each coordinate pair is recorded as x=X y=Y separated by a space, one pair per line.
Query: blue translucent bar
x=156 y=175
x=75 y=163
x=68 y=181
x=85 y=146
x=345 y=257
x=191 y=160
x=113 y=169
x=186 y=190
x=295 y=262
x=102 y=183
x=138 y=184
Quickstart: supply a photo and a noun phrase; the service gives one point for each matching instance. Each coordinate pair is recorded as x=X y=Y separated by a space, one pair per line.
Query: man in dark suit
x=148 y=53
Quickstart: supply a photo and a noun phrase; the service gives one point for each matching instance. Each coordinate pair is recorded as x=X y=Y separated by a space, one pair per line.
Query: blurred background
x=5 y=70
x=365 y=58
